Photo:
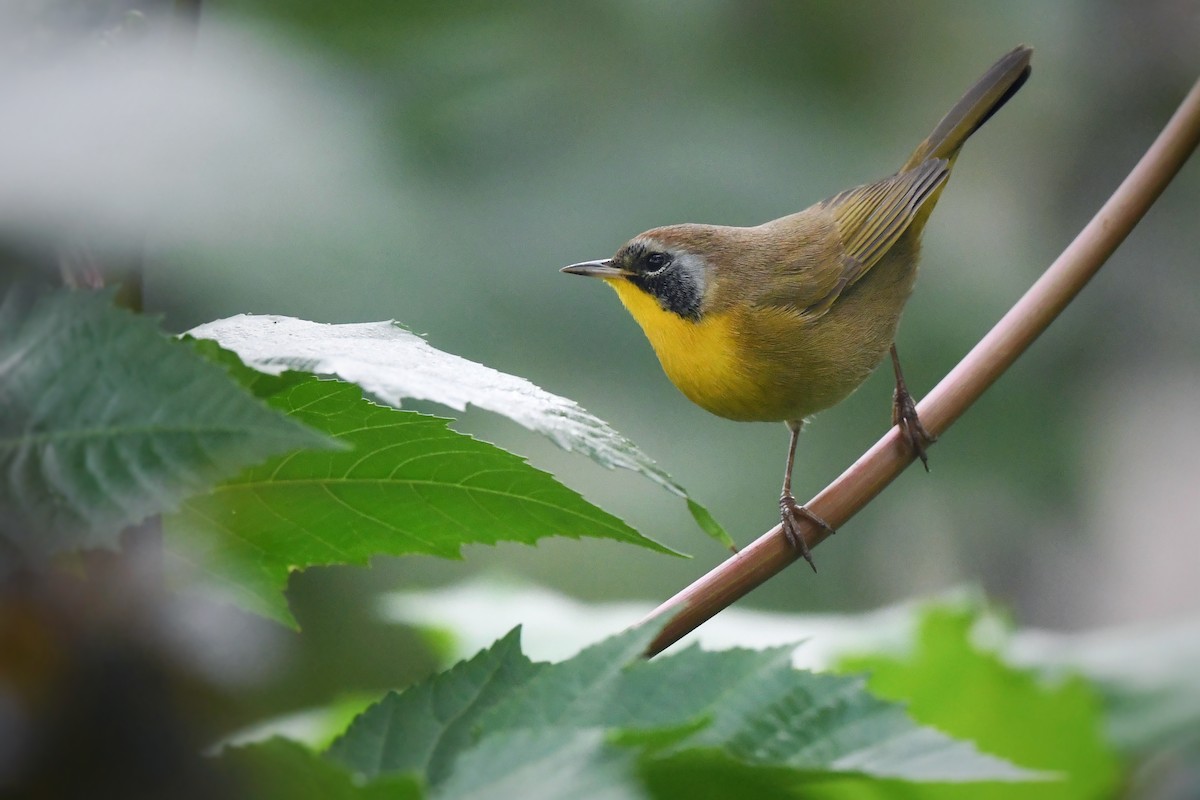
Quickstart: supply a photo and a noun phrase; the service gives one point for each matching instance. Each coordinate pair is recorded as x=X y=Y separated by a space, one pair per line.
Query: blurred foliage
x=108 y=422
x=948 y=684
x=499 y=725
x=280 y=769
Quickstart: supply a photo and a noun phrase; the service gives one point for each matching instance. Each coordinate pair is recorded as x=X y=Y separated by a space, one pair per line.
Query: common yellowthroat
x=785 y=319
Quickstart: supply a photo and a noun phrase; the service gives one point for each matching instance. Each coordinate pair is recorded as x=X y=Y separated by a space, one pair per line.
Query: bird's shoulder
x=790 y=263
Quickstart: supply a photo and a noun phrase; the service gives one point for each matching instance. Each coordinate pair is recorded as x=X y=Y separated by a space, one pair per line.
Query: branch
x=994 y=354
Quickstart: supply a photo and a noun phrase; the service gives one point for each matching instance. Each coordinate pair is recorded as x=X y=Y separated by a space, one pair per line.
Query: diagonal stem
x=994 y=354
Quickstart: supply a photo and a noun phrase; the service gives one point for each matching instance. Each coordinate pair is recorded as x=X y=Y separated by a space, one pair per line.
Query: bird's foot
x=790 y=511
x=904 y=415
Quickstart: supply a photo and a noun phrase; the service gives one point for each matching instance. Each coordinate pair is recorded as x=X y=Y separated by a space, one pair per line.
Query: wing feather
x=870 y=219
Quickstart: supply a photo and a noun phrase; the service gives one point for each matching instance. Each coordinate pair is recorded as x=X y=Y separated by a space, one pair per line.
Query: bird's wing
x=871 y=218
x=868 y=220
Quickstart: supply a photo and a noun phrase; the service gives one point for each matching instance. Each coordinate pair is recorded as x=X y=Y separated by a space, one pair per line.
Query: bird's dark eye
x=657 y=261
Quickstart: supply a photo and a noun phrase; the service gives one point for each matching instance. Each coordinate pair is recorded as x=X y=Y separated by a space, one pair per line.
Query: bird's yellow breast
x=707 y=359
x=757 y=364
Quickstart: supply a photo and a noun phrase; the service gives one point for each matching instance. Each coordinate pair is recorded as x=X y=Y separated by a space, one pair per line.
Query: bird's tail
x=976 y=107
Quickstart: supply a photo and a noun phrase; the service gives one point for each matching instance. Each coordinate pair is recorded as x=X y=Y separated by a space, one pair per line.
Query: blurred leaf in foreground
x=747 y=714
x=263 y=182
x=545 y=763
x=391 y=364
x=407 y=484
x=106 y=421
x=950 y=684
x=1146 y=673
x=278 y=769
x=436 y=719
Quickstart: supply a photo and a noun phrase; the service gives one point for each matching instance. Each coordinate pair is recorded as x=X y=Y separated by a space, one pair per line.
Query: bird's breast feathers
x=739 y=364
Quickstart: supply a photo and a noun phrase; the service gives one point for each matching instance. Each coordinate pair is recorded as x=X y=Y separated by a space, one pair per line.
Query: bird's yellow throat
x=700 y=357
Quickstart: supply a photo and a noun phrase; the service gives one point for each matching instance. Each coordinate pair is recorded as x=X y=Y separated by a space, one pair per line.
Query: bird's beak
x=597 y=269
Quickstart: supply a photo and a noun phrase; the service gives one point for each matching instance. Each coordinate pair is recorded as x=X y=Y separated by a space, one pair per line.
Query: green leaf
x=280 y=769
x=424 y=728
x=950 y=684
x=760 y=711
x=107 y=421
x=427 y=727
x=1146 y=674
x=315 y=727
x=407 y=484
x=742 y=711
x=544 y=764
x=580 y=690
x=708 y=523
x=391 y=364
x=715 y=775
x=260 y=384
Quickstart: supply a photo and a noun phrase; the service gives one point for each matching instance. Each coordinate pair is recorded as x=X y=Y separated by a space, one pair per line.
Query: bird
x=782 y=320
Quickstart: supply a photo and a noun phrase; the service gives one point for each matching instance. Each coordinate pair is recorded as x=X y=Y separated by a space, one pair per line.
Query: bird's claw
x=904 y=416
x=789 y=512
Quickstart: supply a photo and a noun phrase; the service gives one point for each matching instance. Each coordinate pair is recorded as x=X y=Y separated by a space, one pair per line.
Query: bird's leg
x=790 y=510
x=904 y=414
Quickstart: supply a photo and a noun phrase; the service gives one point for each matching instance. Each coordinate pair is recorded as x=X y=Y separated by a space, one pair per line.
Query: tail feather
x=976 y=107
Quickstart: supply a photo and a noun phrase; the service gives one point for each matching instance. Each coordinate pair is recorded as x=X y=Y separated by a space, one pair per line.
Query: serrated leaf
x=280 y=769
x=579 y=691
x=948 y=683
x=407 y=484
x=424 y=728
x=760 y=711
x=740 y=707
x=391 y=364
x=260 y=384
x=107 y=421
x=428 y=727
x=544 y=764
